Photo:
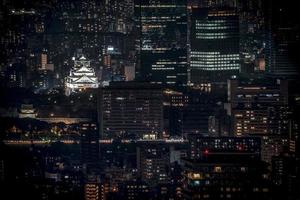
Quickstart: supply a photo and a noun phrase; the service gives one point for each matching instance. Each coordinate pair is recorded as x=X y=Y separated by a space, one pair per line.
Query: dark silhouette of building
x=258 y=107
x=130 y=110
x=162 y=46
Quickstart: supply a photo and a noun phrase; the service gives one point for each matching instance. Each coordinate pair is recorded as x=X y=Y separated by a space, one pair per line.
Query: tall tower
x=282 y=41
x=214 y=45
x=163 y=41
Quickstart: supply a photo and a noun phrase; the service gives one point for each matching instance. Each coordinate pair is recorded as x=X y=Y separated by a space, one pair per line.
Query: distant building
x=81 y=77
x=130 y=110
x=44 y=60
x=285 y=176
x=227 y=179
x=50 y=66
x=15 y=75
x=224 y=167
x=271 y=146
x=43 y=80
x=188 y=112
x=162 y=47
x=282 y=40
x=201 y=147
x=27 y=111
x=258 y=107
x=135 y=190
x=92 y=188
x=129 y=72
x=219 y=124
x=89 y=146
x=152 y=162
x=214 y=36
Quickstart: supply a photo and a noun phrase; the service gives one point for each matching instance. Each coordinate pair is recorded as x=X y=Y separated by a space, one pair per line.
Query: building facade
x=258 y=108
x=214 y=55
x=162 y=45
x=130 y=110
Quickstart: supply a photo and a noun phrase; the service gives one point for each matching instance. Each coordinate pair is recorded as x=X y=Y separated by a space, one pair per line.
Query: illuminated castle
x=81 y=77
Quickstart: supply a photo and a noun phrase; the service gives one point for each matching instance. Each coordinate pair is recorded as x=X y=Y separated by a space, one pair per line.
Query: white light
x=110 y=48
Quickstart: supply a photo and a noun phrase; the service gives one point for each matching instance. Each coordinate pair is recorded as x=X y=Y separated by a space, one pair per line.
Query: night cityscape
x=149 y=99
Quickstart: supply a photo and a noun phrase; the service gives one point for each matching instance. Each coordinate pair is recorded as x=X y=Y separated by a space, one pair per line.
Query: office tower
x=135 y=190
x=194 y=117
x=258 y=107
x=43 y=60
x=252 y=36
x=153 y=160
x=227 y=178
x=190 y=112
x=224 y=167
x=285 y=176
x=294 y=133
x=292 y=157
x=214 y=38
x=219 y=123
x=130 y=110
x=14 y=75
x=202 y=147
x=271 y=146
x=92 y=188
x=89 y=140
x=117 y=16
x=81 y=77
x=173 y=101
x=42 y=80
x=282 y=39
x=162 y=46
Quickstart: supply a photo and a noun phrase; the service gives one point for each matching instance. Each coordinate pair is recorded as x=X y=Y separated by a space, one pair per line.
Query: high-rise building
x=130 y=109
x=117 y=15
x=294 y=134
x=271 y=146
x=92 y=188
x=163 y=41
x=252 y=36
x=229 y=178
x=282 y=39
x=285 y=176
x=135 y=190
x=188 y=112
x=224 y=167
x=153 y=160
x=42 y=80
x=44 y=60
x=258 y=107
x=89 y=150
x=15 y=75
x=219 y=123
x=214 y=38
x=201 y=147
